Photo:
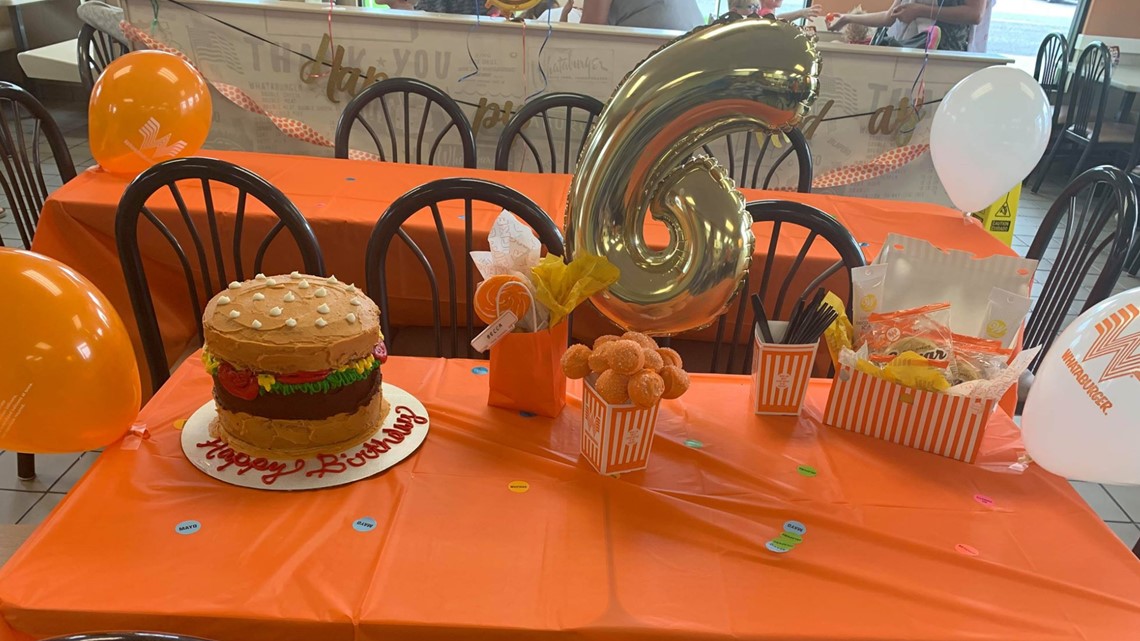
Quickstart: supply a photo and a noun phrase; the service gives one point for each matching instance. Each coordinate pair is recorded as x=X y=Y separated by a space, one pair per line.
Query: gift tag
x=495 y=332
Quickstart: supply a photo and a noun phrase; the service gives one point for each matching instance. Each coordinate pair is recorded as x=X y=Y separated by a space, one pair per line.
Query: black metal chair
x=543 y=108
x=746 y=155
x=127 y=637
x=1084 y=118
x=428 y=197
x=439 y=109
x=1096 y=218
x=820 y=226
x=24 y=126
x=1132 y=264
x=1051 y=71
x=210 y=273
x=96 y=51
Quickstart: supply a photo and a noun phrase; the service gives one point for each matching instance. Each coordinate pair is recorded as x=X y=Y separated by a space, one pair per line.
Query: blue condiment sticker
x=365 y=524
x=187 y=527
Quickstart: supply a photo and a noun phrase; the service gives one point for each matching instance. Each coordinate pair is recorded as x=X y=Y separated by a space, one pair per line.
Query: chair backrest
x=556 y=111
x=755 y=159
x=214 y=238
x=1088 y=92
x=25 y=129
x=401 y=123
x=429 y=197
x=96 y=51
x=1081 y=247
x=1052 y=69
x=820 y=231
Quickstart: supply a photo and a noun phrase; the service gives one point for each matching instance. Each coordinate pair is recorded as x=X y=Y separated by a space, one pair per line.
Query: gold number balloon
x=753 y=73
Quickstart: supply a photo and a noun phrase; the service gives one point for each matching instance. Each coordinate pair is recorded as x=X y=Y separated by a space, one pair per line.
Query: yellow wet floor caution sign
x=999 y=217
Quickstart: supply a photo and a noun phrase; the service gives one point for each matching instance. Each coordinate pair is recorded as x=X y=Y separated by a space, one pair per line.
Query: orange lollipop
x=497 y=294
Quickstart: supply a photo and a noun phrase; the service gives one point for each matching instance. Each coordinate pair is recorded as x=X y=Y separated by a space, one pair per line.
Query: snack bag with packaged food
x=922 y=330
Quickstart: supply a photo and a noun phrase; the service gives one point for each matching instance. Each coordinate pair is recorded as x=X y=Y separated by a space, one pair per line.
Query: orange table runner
x=899 y=544
x=342 y=200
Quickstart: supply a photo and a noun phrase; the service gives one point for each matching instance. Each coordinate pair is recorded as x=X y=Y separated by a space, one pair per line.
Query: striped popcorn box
x=945 y=424
x=615 y=438
x=780 y=375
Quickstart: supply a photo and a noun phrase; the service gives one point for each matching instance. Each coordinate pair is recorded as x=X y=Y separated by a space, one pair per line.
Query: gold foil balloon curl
x=747 y=74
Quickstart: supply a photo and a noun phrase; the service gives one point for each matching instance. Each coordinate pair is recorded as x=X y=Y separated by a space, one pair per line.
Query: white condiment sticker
x=495 y=331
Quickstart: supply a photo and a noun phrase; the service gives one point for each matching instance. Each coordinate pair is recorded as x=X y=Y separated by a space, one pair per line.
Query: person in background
x=678 y=15
x=469 y=7
x=980 y=36
x=567 y=12
x=768 y=8
x=952 y=22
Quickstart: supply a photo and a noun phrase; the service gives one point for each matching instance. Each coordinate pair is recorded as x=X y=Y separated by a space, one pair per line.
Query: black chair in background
x=96 y=51
x=203 y=262
x=1051 y=72
x=394 y=97
x=1132 y=264
x=24 y=126
x=429 y=197
x=752 y=159
x=1082 y=243
x=821 y=230
x=1085 y=127
x=550 y=107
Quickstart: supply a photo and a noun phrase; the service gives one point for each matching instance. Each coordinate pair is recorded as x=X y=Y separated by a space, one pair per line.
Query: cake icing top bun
x=291 y=323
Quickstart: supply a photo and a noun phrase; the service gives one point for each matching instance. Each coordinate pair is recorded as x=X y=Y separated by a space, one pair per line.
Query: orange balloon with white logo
x=69 y=380
x=147 y=107
x=1082 y=417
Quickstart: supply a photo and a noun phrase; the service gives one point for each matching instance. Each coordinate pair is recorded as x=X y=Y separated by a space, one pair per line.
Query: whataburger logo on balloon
x=1114 y=350
x=152 y=148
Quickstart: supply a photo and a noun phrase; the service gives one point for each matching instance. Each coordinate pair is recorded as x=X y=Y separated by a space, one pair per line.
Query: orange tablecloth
x=342 y=200
x=897 y=546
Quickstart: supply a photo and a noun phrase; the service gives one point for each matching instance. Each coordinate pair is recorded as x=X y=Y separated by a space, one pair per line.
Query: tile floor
x=31 y=501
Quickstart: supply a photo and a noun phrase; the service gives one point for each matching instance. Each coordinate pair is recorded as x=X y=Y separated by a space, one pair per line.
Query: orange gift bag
x=526 y=372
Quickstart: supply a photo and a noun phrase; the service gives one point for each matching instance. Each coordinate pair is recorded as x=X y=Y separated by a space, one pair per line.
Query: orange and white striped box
x=780 y=376
x=944 y=424
x=615 y=438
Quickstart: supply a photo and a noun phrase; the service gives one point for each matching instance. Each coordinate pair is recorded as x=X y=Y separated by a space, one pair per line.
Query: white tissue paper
x=514 y=249
x=918 y=273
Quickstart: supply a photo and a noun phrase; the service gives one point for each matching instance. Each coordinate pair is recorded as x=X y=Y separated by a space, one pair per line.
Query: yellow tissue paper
x=838 y=335
x=908 y=369
x=561 y=287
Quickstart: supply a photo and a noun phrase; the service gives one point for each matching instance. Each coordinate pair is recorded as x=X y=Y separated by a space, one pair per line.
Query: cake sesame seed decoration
x=260 y=277
x=323 y=309
x=350 y=317
x=275 y=312
x=271 y=282
x=234 y=313
x=295 y=275
x=355 y=302
x=256 y=324
x=304 y=284
x=321 y=322
x=290 y=322
x=259 y=296
x=331 y=279
x=289 y=297
x=223 y=300
x=320 y=292
x=235 y=285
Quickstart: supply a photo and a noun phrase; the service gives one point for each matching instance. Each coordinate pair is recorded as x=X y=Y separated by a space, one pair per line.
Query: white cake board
x=404 y=428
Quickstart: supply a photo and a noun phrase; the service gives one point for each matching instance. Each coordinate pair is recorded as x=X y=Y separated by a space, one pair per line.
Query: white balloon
x=1082 y=417
x=988 y=134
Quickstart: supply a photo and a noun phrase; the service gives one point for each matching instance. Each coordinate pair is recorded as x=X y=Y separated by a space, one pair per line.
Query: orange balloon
x=69 y=381
x=147 y=107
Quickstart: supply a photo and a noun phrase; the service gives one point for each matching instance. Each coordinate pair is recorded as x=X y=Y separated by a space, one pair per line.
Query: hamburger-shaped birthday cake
x=296 y=365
